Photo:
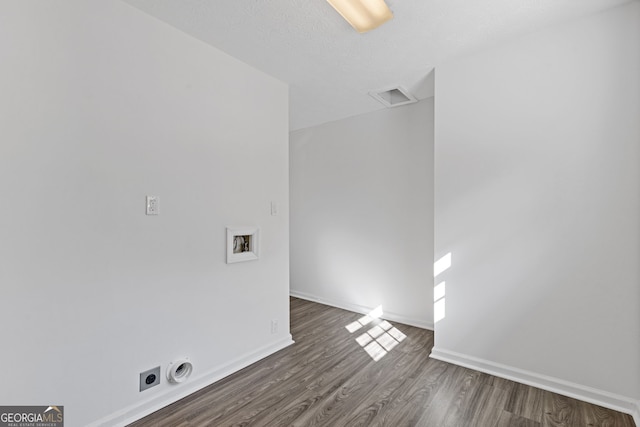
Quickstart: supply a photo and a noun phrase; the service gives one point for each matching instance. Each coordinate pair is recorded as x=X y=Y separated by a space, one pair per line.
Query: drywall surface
x=537 y=195
x=362 y=212
x=102 y=105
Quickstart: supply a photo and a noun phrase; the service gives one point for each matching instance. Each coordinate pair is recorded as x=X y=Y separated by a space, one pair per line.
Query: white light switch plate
x=274 y=208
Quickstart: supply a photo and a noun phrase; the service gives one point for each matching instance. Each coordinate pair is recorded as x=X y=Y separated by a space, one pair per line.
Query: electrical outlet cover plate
x=152 y=205
x=150 y=378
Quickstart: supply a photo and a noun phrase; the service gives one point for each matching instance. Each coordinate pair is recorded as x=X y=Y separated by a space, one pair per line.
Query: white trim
x=578 y=391
x=135 y=412
x=394 y=317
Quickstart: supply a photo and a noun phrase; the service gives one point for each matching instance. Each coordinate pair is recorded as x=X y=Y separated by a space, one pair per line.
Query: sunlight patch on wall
x=441 y=265
x=439 y=291
x=438 y=304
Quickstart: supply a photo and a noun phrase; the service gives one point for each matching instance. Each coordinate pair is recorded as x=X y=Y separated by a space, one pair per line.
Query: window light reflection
x=379 y=339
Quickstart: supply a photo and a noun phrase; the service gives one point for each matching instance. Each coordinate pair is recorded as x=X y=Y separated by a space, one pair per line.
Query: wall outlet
x=152 y=205
x=150 y=378
x=274 y=326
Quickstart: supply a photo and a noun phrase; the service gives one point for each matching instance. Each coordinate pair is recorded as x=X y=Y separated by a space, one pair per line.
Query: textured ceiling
x=331 y=68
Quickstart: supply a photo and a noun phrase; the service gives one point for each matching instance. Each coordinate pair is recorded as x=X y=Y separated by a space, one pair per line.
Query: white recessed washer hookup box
x=243 y=244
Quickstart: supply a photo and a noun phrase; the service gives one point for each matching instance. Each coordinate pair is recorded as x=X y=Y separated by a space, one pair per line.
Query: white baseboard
x=394 y=317
x=142 y=409
x=588 y=394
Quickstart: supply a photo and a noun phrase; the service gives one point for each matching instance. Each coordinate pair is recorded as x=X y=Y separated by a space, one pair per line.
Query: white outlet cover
x=152 y=205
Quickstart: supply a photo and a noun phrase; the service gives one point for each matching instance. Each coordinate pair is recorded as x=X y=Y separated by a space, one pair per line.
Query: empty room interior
x=219 y=203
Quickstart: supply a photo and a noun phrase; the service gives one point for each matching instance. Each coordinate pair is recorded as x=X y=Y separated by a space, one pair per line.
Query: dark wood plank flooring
x=329 y=379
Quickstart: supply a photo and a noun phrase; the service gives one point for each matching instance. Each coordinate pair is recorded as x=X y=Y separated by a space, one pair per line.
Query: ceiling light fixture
x=363 y=15
x=394 y=97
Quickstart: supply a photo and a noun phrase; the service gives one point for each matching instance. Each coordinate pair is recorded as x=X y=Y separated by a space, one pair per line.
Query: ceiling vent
x=394 y=97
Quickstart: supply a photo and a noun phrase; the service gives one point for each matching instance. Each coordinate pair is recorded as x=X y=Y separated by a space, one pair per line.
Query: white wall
x=102 y=105
x=537 y=197
x=362 y=213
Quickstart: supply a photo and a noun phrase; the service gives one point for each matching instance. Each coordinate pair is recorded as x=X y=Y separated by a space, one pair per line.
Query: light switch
x=274 y=209
x=152 y=205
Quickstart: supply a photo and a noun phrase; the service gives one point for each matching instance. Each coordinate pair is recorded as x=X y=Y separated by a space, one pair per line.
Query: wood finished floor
x=328 y=379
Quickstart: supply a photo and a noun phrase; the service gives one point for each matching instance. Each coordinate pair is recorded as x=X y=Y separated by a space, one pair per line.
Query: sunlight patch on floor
x=380 y=339
x=365 y=320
